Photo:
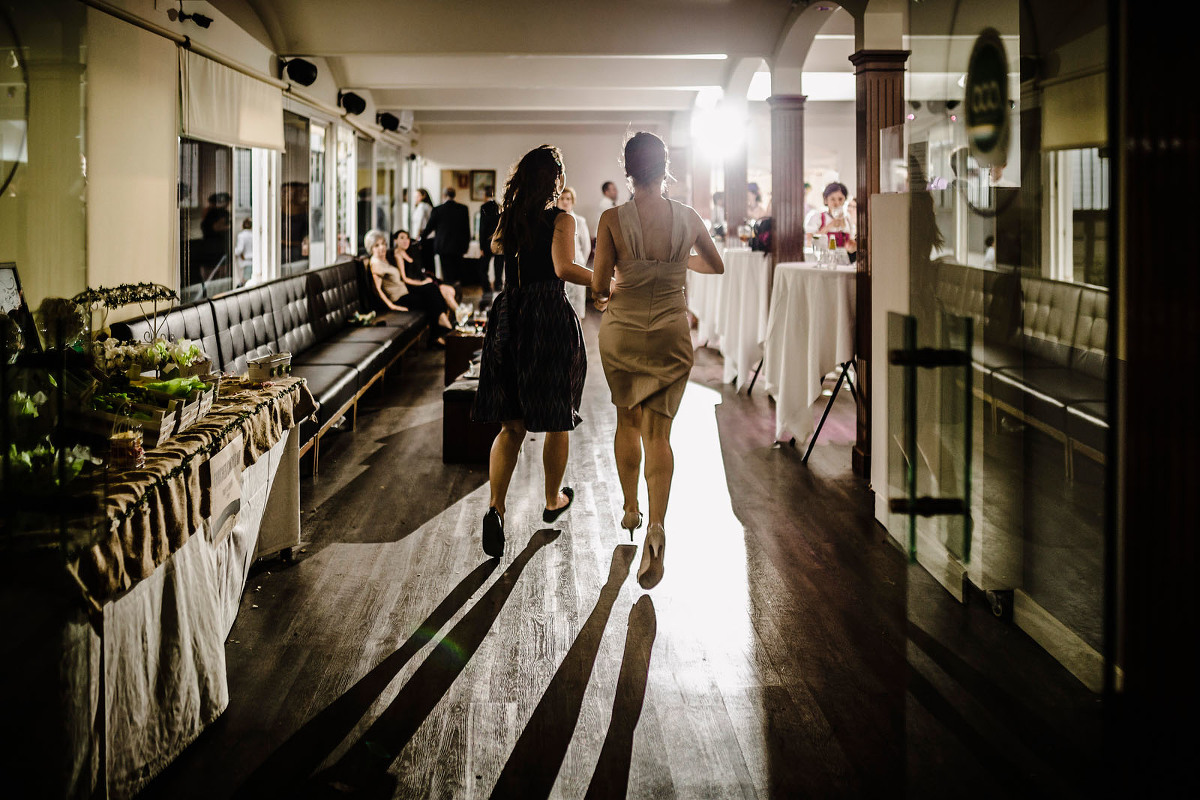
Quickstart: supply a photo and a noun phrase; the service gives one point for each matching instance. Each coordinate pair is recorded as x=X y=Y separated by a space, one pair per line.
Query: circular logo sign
x=986 y=99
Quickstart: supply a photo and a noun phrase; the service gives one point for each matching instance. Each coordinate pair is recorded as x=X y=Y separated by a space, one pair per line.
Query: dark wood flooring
x=790 y=651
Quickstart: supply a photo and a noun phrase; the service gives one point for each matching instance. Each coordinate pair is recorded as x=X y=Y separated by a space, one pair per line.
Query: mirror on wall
x=42 y=165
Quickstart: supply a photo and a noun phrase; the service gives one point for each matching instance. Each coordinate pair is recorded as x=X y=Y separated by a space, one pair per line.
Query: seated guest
x=412 y=271
x=396 y=291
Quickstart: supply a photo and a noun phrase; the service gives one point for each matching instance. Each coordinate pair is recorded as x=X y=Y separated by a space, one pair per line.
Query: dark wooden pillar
x=879 y=104
x=735 y=192
x=1153 y=558
x=787 y=176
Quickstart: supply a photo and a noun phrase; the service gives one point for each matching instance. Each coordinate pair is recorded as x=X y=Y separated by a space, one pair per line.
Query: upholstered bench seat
x=369 y=358
x=333 y=387
x=308 y=315
x=1046 y=358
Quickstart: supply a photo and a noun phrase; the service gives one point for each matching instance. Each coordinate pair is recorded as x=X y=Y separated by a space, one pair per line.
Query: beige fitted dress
x=645 y=345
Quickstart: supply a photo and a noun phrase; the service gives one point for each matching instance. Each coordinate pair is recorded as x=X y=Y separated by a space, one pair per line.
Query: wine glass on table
x=744 y=233
x=462 y=314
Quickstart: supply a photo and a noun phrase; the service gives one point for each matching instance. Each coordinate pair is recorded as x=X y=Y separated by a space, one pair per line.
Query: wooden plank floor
x=774 y=660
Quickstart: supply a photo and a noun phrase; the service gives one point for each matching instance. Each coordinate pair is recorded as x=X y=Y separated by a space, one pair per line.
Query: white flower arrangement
x=114 y=356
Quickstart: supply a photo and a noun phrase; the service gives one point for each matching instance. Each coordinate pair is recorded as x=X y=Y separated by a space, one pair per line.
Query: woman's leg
x=505 y=449
x=444 y=321
x=660 y=462
x=554 y=462
x=448 y=295
x=627 y=446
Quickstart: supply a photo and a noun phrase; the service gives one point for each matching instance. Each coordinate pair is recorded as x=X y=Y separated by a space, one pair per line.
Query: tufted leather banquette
x=1042 y=355
x=308 y=315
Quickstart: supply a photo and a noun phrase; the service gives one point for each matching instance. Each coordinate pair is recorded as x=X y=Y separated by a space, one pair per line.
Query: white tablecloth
x=704 y=293
x=810 y=332
x=745 y=303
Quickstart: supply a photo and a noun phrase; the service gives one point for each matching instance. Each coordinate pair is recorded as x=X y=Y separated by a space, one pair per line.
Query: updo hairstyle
x=646 y=160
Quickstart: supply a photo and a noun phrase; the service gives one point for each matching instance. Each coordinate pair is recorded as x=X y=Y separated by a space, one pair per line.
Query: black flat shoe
x=493 y=533
x=550 y=516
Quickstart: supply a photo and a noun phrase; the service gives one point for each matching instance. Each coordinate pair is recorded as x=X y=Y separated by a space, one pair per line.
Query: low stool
x=464 y=441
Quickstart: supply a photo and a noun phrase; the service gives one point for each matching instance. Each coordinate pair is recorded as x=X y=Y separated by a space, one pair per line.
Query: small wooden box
x=266 y=368
x=189 y=412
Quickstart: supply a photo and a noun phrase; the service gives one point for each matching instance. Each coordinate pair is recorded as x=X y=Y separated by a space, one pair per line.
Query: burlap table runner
x=149 y=513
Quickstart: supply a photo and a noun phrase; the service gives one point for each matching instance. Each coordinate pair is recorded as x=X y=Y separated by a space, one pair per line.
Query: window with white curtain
x=315 y=249
x=1078 y=187
x=347 y=190
x=221 y=195
x=294 y=194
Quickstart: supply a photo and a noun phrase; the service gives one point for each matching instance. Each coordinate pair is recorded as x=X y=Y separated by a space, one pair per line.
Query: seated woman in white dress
x=834 y=220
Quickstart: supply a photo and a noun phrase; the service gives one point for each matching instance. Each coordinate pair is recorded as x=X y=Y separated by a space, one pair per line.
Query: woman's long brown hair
x=531 y=189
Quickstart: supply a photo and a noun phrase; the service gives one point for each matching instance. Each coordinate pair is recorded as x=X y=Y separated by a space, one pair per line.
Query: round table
x=704 y=296
x=745 y=304
x=810 y=331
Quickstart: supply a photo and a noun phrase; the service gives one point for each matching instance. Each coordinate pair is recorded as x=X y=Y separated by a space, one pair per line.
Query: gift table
x=119 y=662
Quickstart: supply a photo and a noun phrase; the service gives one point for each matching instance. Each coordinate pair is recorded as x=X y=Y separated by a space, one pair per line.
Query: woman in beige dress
x=645 y=343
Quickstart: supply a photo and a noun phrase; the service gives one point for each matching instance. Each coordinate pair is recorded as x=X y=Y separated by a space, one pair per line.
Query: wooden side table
x=459 y=349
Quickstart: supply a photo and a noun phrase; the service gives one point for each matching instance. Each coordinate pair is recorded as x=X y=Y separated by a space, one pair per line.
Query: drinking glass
x=462 y=314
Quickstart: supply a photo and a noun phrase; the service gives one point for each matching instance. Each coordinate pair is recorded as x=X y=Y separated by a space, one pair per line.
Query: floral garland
x=107 y=298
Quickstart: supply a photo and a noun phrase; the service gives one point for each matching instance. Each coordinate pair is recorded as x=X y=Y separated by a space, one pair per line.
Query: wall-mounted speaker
x=300 y=71
x=352 y=102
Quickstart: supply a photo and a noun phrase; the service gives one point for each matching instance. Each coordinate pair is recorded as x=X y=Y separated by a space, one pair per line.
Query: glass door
x=1008 y=211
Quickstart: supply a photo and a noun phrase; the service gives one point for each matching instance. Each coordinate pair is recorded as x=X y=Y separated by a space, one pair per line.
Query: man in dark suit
x=489 y=219
x=451 y=225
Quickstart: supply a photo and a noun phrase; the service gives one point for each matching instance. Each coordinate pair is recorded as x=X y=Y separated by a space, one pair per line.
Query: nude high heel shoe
x=650 y=571
x=631 y=522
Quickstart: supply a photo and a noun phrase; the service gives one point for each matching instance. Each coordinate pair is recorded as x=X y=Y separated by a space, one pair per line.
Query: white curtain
x=222 y=105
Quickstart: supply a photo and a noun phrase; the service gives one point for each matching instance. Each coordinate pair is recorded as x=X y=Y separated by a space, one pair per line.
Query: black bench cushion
x=1048 y=326
x=394 y=339
x=245 y=327
x=332 y=386
x=1090 y=342
x=291 y=302
x=367 y=357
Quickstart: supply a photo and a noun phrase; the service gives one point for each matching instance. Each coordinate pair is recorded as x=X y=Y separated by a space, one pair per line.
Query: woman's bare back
x=656 y=217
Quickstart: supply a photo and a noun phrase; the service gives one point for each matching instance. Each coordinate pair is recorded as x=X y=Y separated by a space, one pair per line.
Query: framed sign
x=482 y=182
x=987 y=103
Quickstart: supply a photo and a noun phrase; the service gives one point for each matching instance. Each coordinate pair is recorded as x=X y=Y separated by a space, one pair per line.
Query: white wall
x=830 y=151
x=132 y=125
x=589 y=157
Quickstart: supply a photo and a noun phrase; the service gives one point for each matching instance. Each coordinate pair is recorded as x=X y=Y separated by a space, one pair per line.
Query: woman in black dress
x=398 y=292
x=531 y=375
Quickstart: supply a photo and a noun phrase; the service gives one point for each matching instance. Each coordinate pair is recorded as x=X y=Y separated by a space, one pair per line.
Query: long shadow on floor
x=296 y=758
x=533 y=766
x=396 y=489
x=363 y=770
x=611 y=778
